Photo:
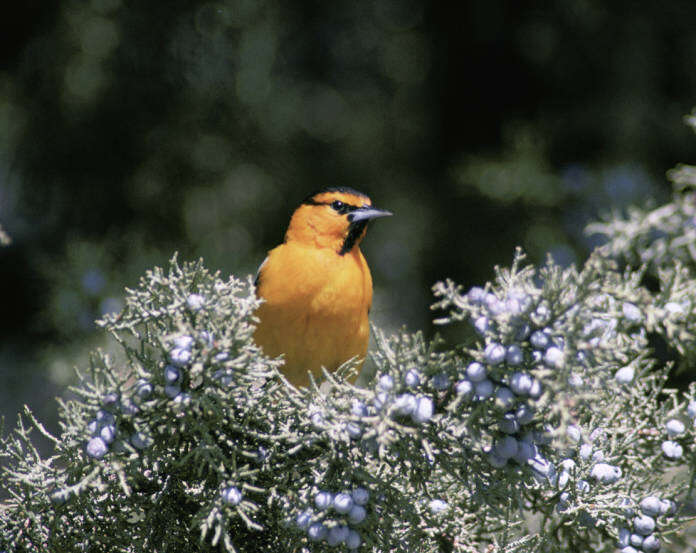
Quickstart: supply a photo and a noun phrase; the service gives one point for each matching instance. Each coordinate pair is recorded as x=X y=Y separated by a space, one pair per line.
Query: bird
x=316 y=286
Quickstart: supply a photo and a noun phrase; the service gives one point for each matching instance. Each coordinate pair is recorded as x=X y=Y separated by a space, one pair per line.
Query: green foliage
x=544 y=432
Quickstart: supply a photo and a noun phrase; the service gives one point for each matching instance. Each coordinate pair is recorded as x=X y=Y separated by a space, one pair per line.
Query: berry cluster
x=590 y=468
x=419 y=408
x=643 y=532
x=104 y=428
x=675 y=428
x=502 y=374
x=335 y=517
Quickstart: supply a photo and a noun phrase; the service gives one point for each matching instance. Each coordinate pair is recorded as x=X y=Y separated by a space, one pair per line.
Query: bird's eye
x=337 y=205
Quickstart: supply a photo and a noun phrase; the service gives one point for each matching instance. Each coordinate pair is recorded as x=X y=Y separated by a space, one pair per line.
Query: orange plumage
x=317 y=287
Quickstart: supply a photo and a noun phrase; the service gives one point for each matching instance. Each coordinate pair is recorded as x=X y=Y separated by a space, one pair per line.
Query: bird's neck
x=340 y=245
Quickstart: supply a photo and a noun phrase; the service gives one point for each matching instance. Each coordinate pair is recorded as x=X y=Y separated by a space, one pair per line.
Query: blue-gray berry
x=541 y=465
x=110 y=399
x=504 y=397
x=526 y=450
x=644 y=525
x=554 y=357
x=536 y=389
x=625 y=375
x=522 y=332
x=650 y=506
x=575 y=380
x=583 y=486
x=514 y=355
x=195 y=302
x=464 y=388
x=672 y=450
x=598 y=456
x=303 y=519
x=605 y=473
x=573 y=433
x=359 y=409
x=171 y=374
x=483 y=390
x=405 y=404
x=525 y=414
x=476 y=372
x=494 y=305
x=506 y=447
x=316 y=531
x=353 y=540
x=342 y=502
x=437 y=506
x=108 y=433
x=496 y=460
x=520 y=383
x=361 y=496
x=93 y=427
x=494 y=353
x=231 y=495
x=624 y=537
x=424 y=410
x=104 y=417
x=385 y=382
x=380 y=401
x=539 y=339
x=183 y=342
x=412 y=378
x=481 y=325
x=509 y=424
x=97 y=448
x=357 y=514
x=182 y=400
x=323 y=500
x=143 y=389
x=651 y=543
x=675 y=427
x=337 y=535
x=180 y=357
x=627 y=507
x=691 y=409
x=354 y=430
x=667 y=507
x=476 y=295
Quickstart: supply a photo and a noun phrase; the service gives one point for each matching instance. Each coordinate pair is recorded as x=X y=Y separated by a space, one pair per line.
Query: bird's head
x=333 y=218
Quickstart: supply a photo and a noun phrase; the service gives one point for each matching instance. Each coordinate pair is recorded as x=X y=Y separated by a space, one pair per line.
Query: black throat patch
x=354 y=232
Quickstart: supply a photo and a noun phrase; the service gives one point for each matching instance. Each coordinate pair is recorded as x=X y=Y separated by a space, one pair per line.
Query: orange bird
x=317 y=286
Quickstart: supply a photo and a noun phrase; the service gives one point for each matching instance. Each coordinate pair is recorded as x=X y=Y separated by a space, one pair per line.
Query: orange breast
x=316 y=308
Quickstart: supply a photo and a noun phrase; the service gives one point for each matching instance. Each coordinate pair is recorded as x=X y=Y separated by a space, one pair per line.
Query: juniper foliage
x=548 y=427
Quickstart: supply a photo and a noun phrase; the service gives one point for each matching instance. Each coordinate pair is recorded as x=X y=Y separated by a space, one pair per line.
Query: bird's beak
x=366 y=213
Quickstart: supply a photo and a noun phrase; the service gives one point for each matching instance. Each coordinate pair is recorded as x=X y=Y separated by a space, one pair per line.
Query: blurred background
x=131 y=130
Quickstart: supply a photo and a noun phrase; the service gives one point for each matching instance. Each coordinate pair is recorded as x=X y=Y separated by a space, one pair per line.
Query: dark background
x=131 y=130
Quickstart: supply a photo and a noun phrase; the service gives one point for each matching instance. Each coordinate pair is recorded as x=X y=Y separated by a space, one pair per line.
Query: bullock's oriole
x=317 y=286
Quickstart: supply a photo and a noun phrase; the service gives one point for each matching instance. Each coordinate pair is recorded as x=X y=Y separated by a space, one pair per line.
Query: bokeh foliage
x=128 y=131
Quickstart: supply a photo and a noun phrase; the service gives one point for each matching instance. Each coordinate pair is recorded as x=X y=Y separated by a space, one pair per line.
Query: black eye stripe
x=341 y=207
x=337 y=205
